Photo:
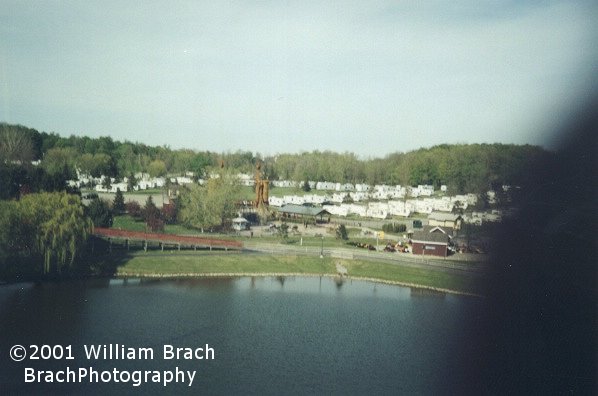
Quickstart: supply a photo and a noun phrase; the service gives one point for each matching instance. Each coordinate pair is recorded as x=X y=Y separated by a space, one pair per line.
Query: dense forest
x=462 y=167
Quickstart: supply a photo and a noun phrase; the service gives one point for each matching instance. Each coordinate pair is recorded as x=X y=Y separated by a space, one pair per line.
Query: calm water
x=270 y=335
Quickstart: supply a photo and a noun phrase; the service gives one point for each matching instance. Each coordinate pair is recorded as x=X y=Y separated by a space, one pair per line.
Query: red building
x=431 y=241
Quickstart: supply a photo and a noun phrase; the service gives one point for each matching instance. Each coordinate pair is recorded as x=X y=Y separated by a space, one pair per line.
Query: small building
x=123 y=187
x=431 y=241
x=276 y=201
x=306 y=213
x=240 y=224
x=450 y=220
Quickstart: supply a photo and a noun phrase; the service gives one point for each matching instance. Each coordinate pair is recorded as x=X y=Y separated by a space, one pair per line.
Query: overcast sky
x=369 y=77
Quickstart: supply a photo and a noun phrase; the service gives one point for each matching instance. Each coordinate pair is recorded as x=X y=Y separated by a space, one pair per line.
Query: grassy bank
x=209 y=264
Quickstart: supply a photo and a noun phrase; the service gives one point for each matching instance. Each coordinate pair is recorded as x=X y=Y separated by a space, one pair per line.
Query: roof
x=430 y=229
x=443 y=216
x=431 y=234
x=436 y=237
x=303 y=210
x=240 y=220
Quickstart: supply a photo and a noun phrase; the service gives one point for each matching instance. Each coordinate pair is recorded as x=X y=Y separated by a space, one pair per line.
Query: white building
x=377 y=210
x=276 y=201
x=315 y=198
x=284 y=183
x=123 y=187
x=398 y=208
x=338 y=197
x=293 y=199
x=177 y=180
x=325 y=186
x=381 y=191
x=337 y=210
x=359 y=210
x=425 y=190
x=245 y=180
x=142 y=176
x=344 y=187
x=359 y=196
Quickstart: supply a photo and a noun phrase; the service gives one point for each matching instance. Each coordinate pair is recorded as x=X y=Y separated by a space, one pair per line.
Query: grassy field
x=129 y=223
x=189 y=264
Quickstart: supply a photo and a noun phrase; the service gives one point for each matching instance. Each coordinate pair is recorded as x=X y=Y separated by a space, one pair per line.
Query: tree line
x=462 y=167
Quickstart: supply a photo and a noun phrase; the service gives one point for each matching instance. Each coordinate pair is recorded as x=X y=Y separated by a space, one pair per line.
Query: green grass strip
x=201 y=264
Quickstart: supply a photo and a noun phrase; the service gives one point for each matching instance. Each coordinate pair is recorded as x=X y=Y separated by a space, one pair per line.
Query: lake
x=268 y=335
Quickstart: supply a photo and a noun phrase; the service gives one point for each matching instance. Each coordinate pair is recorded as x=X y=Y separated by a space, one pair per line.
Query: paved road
x=448 y=265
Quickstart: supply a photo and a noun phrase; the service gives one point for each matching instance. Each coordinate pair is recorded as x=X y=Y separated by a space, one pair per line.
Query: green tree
x=60 y=161
x=458 y=208
x=157 y=168
x=85 y=163
x=305 y=187
x=199 y=163
x=100 y=213
x=103 y=164
x=127 y=158
x=58 y=226
x=341 y=232
x=210 y=205
x=118 y=205
x=131 y=182
x=106 y=183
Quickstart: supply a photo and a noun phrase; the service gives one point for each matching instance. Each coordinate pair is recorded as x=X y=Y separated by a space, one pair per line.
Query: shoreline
x=291 y=274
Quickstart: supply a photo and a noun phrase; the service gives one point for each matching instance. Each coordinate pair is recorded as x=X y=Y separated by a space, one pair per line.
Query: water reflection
x=335 y=335
x=288 y=284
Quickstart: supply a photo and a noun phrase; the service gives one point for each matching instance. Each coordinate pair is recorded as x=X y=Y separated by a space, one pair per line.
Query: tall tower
x=262 y=187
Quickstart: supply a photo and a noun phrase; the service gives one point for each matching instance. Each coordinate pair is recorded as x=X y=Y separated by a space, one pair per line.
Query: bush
x=169 y=212
x=133 y=208
x=283 y=231
x=394 y=228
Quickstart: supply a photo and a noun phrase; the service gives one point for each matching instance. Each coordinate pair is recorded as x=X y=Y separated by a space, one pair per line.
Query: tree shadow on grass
x=103 y=258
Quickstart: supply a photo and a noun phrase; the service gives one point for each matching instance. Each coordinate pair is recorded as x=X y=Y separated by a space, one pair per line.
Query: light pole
x=322 y=248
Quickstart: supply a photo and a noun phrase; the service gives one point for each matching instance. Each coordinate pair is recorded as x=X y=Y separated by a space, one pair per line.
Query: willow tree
x=59 y=227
